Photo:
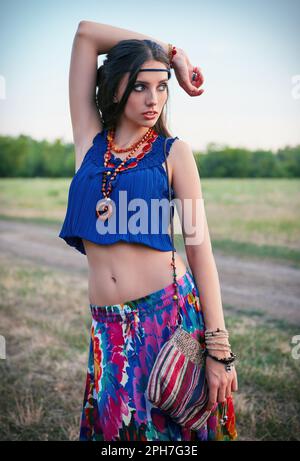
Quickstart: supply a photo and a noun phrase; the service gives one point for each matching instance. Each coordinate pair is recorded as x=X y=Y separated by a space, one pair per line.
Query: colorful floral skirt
x=125 y=340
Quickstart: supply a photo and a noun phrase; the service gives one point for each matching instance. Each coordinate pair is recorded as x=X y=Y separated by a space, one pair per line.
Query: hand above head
x=184 y=70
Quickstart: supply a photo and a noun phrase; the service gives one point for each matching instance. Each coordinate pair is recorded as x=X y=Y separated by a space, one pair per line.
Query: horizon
x=248 y=55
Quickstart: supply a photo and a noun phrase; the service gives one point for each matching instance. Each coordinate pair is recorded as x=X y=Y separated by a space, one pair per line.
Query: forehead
x=152 y=71
x=151 y=76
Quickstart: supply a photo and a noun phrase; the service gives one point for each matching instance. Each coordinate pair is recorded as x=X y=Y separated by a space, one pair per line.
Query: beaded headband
x=169 y=72
x=163 y=69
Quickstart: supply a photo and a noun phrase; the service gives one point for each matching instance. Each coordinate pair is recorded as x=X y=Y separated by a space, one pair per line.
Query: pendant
x=104 y=209
x=223 y=420
x=224 y=417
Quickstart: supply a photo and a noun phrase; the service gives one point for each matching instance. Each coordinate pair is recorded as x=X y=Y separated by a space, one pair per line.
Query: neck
x=127 y=134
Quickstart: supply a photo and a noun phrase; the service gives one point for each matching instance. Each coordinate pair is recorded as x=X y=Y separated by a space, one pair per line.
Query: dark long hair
x=126 y=56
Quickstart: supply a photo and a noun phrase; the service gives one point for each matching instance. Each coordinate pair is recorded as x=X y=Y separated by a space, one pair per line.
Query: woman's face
x=150 y=93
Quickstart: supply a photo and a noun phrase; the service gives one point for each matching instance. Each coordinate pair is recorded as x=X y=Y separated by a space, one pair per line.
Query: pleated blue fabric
x=132 y=188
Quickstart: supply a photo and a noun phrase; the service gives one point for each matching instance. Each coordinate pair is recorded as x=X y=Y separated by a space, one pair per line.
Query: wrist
x=178 y=56
x=172 y=51
x=219 y=354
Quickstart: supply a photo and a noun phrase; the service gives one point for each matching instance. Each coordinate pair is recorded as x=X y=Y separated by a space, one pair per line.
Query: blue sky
x=248 y=52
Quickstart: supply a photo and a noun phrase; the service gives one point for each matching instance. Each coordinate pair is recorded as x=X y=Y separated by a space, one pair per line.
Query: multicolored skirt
x=125 y=341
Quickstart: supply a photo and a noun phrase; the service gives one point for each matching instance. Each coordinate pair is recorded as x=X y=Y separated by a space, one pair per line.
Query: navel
x=114 y=279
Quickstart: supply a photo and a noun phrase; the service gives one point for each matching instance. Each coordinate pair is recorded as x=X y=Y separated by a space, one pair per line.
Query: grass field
x=44 y=314
x=245 y=216
x=45 y=317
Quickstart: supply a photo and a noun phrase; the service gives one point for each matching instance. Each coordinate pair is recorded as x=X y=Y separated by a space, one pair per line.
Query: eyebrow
x=142 y=81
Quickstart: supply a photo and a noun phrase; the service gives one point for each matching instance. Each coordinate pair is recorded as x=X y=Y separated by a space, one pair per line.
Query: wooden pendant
x=104 y=209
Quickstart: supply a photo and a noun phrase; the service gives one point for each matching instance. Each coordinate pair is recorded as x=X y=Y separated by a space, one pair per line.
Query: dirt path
x=254 y=284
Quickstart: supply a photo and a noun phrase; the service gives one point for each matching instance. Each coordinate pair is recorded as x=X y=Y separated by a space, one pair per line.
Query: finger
x=192 y=91
x=196 y=92
x=222 y=394
x=198 y=77
x=228 y=391
x=184 y=79
x=212 y=397
x=192 y=85
x=234 y=384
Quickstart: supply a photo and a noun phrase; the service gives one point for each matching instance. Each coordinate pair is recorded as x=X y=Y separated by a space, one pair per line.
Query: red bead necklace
x=123 y=149
x=104 y=207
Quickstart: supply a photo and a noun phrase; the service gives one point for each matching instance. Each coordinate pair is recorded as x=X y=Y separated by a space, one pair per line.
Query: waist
x=125 y=271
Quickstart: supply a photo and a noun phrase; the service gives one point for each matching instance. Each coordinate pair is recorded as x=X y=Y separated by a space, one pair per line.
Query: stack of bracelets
x=212 y=343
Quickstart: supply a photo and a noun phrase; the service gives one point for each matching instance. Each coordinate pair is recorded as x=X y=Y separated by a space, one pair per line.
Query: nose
x=151 y=99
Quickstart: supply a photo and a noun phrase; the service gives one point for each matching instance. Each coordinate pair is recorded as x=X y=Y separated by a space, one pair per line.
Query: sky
x=249 y=54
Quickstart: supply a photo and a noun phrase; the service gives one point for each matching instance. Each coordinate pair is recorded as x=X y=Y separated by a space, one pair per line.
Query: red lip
x=152 y=113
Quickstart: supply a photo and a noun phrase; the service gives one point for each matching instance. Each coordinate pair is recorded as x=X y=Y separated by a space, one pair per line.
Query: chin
x=150 y=124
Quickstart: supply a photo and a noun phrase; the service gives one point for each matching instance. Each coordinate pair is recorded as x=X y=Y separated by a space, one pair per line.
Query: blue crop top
x=147 y=181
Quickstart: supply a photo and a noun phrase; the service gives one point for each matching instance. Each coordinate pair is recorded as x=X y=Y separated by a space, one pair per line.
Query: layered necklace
x=104 y=208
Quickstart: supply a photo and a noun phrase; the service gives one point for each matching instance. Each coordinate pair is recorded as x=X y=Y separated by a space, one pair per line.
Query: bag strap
x=170 y=195
x=175 y=283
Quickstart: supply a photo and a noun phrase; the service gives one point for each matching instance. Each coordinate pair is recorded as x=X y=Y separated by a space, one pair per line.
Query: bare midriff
x=124 y=271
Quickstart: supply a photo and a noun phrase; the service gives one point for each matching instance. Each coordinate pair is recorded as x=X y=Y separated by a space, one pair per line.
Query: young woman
x=119 y=134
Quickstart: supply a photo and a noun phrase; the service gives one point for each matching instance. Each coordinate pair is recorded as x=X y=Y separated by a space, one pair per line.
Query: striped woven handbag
x=177 y=383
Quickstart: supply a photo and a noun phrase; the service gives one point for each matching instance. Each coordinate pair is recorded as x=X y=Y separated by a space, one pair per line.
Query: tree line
x=24 y=156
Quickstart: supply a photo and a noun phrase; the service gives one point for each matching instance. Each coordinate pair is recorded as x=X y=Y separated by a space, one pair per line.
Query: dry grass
x=45 y=319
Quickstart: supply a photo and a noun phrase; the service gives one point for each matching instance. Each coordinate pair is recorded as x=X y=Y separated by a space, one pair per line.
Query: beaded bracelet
x=217 y=332
x=225 y=360
x=228 y=362
x=212 y=341
x=171 y=53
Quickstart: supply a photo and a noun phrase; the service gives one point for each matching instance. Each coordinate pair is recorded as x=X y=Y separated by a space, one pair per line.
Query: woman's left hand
x=184 y=70
x=220 y=382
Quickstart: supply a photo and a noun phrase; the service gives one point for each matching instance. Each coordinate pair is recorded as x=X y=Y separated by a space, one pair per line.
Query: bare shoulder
x=180 y=152
x=179 y=149
x=182 y=163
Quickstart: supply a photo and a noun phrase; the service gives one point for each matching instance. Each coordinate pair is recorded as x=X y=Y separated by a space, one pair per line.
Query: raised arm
x=105 y=36
x=85 y=117
x=91 y=40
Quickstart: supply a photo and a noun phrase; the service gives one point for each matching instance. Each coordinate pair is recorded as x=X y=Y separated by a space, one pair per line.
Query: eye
x=137 y=86
x=164 y=85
